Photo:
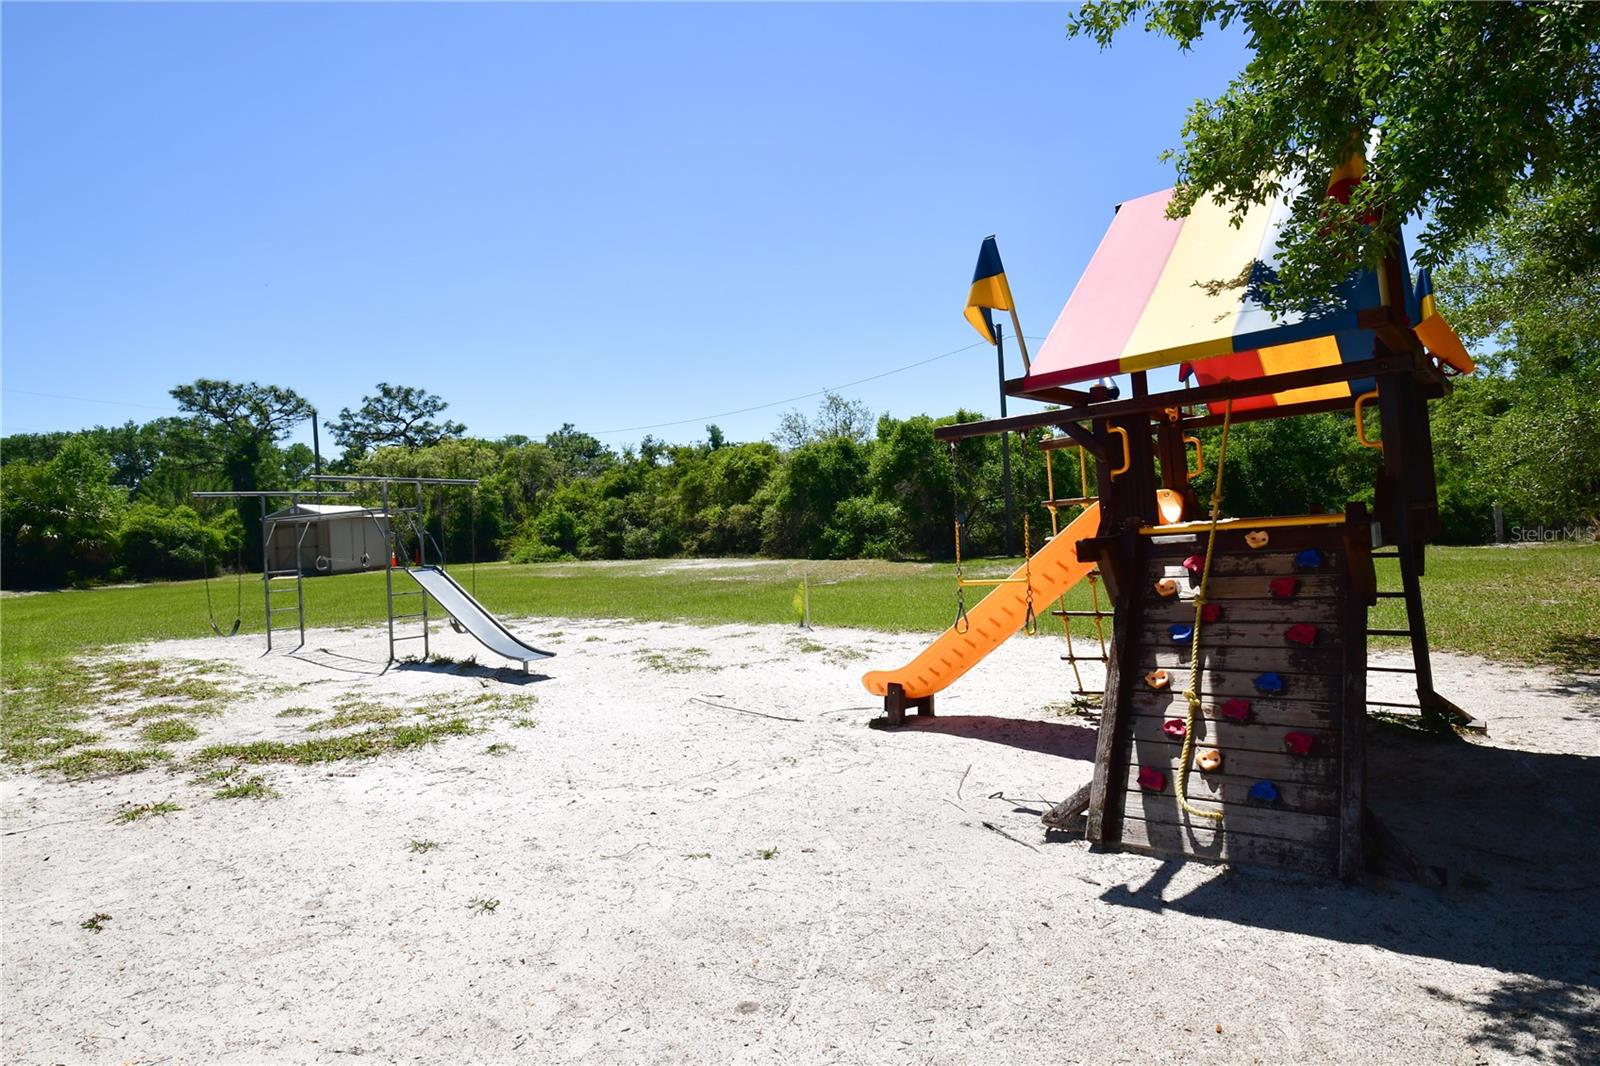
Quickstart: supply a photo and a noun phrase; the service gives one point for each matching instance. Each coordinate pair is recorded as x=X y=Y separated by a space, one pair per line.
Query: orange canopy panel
x=1188 y=292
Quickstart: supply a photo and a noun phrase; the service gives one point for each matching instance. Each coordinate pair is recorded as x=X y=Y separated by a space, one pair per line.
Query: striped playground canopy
x=1187 y=292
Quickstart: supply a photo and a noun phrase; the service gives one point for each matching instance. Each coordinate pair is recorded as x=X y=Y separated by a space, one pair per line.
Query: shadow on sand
x=506 y=675
x=1517 y=831
x=1068 y=740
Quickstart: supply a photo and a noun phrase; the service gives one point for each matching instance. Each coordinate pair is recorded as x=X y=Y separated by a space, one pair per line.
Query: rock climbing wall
x=1277 y=749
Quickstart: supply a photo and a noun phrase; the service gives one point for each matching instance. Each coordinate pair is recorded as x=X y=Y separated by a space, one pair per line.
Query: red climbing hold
x=1195 y=563
x=1236 y=709
x=1301 y=633
x=1211 y=612
x=1283 y=588
x=1174 y=727
x=1151 y=779
x=1299 y=743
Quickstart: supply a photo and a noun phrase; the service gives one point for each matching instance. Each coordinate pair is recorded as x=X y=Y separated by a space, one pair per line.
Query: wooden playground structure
x=1232 y=725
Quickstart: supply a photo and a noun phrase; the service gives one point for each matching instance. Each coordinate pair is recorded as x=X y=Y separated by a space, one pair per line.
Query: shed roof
x=318 y=512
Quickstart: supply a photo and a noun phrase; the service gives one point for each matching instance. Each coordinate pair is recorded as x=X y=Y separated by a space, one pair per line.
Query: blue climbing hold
x=1264 y=792
x=1181 y=634
x=1269 y=682
x=1309 y=559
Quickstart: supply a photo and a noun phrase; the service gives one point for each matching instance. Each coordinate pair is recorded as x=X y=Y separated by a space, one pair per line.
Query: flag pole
x=1005 y=440
x=1027 y=365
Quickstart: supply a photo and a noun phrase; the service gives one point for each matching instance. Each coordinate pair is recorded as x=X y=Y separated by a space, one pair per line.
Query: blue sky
x=610 y=215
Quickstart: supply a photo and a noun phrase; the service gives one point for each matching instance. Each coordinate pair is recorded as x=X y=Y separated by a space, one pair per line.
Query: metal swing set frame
x=275 y=585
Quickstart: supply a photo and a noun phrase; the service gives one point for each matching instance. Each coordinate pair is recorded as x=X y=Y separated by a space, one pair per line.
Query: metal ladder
x=272 y=582
x=421 y=614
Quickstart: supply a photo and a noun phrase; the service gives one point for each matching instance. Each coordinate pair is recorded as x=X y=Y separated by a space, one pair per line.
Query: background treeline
x=114 y=503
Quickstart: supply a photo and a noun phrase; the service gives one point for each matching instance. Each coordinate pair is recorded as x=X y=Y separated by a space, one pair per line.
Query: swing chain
x=961 y=624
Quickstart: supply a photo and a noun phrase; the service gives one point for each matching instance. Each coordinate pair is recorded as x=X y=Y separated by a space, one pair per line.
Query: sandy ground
x=639 y=921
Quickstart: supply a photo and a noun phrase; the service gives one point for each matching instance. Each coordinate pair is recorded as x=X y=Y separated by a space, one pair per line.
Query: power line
x=802 y=396
x=90 y=399
x=603 y=432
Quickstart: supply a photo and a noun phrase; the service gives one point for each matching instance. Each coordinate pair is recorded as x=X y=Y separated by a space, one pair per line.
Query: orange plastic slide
x=1055 y=568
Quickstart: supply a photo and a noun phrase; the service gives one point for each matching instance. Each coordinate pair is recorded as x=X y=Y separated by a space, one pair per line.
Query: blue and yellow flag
x=1434 y=332
x=990 y=292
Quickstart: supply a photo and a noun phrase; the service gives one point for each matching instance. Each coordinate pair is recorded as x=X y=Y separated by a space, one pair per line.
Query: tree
x=1525 y=434
x=836 y=417
x=239 y=426
x=1475 y=105
x=398 y=416
x=59 y=519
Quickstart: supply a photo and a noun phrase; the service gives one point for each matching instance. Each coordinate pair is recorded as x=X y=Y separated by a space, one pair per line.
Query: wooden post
x=1358 y=577
x=895 y=704
x=1105 y=791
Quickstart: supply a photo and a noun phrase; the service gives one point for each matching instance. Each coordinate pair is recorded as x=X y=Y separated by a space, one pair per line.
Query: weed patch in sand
x=362 y=745
x=146 y=810
x=168 y=731
x=361 y=713
x=105 y=762
x=253 y=787
x=677 y=660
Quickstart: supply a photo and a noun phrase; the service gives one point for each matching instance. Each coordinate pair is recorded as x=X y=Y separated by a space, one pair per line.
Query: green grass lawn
x=1531 y=604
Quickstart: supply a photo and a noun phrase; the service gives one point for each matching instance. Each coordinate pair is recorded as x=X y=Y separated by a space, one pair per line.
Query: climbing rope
x=1030 y=622
x=1191 y=694
x=960 y=625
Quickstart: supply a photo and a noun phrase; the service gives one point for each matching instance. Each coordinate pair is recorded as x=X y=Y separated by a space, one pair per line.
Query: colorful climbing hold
x=1211 y=612
x=1309 y=559
x=1283 y=588
x=1166 y=587
x=1264 y=792
x=1270 y=683
x=1157 y=679
x=1181 y=634
x=1301 y=633
x=1151 y=779
x=1299 y=743
x=1174 y=727
x=1195 y=563
x=1237 y=709
x=1209 y=760
x=1257 y=538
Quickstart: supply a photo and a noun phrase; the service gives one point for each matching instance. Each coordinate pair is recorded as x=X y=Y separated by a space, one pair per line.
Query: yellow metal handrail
x=1361 y=424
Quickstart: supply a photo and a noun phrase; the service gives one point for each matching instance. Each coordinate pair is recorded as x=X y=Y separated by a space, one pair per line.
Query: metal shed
x=330 y=538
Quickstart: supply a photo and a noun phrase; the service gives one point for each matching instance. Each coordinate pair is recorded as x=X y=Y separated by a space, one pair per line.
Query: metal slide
x=1054 y=569
x=485 y=627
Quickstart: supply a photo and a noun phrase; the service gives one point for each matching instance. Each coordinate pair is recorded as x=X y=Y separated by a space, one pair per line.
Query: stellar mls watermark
x=1549 y=534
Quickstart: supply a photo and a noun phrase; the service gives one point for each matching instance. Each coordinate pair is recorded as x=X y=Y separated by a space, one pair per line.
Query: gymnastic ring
x=366 y=560
x=323 y=564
